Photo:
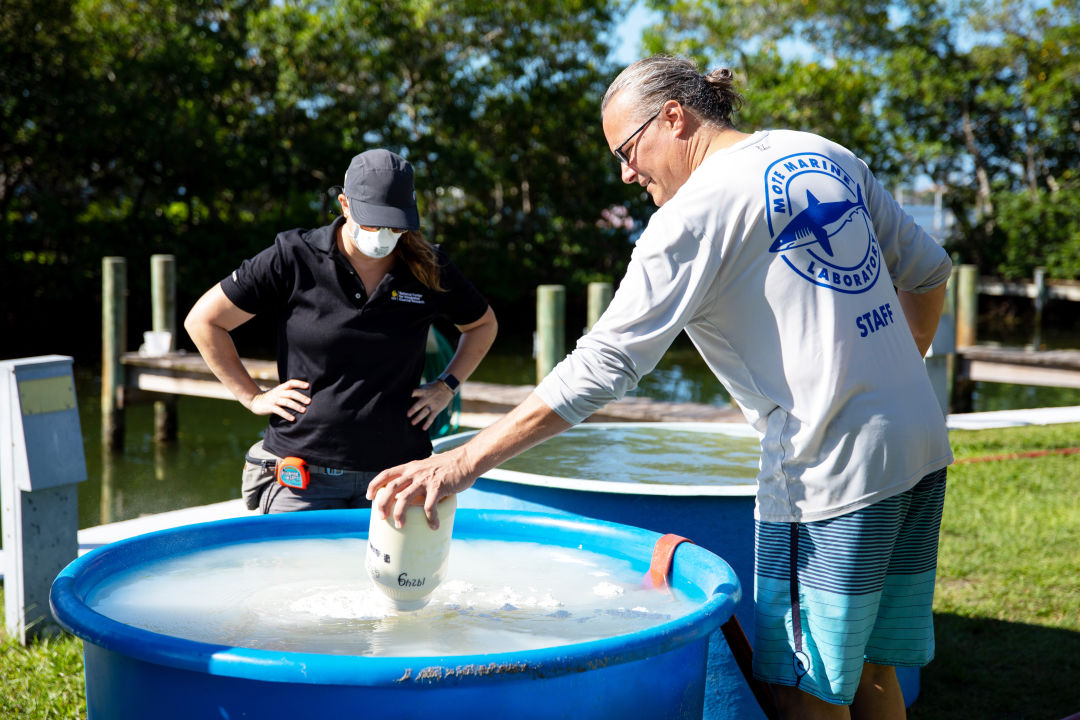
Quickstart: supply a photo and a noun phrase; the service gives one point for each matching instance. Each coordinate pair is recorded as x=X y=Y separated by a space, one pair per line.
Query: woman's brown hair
x=418 y=254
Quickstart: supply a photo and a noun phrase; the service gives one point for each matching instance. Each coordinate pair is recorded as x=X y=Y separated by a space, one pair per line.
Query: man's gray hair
x=655 y=80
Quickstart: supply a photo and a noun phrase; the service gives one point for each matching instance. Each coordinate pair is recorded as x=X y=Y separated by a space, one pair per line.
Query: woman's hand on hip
x=431 y=399
x=283 y=400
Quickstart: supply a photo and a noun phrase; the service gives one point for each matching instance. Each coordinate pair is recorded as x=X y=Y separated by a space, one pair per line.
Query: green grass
x=1007 y=604
x=43 y=681
x=1007 y=607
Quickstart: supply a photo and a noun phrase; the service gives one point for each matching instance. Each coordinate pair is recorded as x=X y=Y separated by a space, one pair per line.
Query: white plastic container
x=156 y=343
x=407 y=564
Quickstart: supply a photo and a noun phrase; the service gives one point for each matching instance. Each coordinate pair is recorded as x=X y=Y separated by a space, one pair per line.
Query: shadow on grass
x=995 y=670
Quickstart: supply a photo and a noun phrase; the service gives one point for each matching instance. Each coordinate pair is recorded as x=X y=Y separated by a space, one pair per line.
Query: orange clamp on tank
x=292 y=472
x=663 y=556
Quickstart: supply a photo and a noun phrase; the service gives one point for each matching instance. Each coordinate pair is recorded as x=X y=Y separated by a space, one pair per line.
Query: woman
x=353 y=302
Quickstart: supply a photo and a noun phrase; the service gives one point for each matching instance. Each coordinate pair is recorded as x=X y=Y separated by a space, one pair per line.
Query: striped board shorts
x=833 y=594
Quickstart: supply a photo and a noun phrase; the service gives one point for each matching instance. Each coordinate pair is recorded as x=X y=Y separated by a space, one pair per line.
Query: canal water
x=204 y=465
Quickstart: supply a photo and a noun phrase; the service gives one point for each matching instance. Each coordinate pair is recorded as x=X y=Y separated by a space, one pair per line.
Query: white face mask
x=374 y=243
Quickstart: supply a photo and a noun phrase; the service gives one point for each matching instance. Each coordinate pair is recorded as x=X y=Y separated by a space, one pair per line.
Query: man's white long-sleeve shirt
x=779 y=258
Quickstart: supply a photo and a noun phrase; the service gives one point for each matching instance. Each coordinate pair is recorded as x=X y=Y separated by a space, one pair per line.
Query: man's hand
x=430 y=479
x=450 y=472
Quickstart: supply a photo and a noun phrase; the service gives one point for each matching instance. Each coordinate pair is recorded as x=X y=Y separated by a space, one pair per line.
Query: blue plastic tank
x=654 y=673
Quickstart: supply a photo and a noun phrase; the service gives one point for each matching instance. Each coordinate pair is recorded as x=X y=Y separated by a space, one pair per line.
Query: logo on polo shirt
x=819 y=223
x=400 y=296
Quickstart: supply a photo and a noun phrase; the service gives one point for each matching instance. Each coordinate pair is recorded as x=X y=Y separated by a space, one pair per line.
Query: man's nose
x=627 y=173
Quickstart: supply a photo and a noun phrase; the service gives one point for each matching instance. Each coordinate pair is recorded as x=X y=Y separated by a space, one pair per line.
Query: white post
x=1040 y=303
x=938 y=229
x=41 y=460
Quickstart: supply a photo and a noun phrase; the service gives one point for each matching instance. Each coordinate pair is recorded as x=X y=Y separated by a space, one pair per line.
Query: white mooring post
x=41 y=461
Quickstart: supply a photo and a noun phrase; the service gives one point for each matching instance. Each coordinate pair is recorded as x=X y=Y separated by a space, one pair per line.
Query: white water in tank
x=314 y=595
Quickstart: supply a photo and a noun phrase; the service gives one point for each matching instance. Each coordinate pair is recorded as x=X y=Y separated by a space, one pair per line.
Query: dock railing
x=1030 y=365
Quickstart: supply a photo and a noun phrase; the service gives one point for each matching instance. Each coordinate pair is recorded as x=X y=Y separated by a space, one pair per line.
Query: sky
x=628 y=37
x=628 y=34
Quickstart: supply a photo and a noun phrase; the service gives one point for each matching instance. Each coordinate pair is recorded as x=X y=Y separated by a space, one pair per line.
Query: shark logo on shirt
x=812 y=222
x=819 y=223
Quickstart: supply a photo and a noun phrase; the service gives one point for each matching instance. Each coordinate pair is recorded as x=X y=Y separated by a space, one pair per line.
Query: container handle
x=662 y=557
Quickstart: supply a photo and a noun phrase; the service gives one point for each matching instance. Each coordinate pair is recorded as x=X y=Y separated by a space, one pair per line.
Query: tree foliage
x=203 y=127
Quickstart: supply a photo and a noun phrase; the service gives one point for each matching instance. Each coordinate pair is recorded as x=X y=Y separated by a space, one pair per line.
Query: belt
x=271 y=464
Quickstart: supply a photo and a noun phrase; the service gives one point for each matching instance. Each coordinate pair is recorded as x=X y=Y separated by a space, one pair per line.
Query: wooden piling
x=599 y=298
x=964 y=283
x=967 y=305
x=163 y=311
x=113 y=340
x=550 y=328
x=951 y=363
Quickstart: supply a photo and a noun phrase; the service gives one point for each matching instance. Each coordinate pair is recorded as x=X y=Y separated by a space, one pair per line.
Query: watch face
x=450 y=380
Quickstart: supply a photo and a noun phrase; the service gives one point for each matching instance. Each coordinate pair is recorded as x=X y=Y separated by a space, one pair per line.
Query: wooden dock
x=187 y=374
x=1017 y=366
x=152 y=378
x=182 y=373
x=1054 y=289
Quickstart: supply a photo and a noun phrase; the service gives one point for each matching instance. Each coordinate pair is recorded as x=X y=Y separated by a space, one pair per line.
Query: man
x=777 y=253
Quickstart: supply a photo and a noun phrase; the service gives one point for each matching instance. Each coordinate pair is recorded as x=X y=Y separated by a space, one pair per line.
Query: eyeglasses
x=618 y=152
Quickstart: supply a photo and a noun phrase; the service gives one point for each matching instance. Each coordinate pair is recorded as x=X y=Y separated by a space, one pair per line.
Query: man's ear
x=676 y=117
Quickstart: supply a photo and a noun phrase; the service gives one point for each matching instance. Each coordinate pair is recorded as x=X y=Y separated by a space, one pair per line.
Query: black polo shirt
x=363 y=356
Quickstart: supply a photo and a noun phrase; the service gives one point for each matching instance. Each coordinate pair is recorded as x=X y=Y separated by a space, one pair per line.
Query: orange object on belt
x=292 y=472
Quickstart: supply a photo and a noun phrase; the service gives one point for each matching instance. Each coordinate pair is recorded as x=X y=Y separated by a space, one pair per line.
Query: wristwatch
x=449 y=381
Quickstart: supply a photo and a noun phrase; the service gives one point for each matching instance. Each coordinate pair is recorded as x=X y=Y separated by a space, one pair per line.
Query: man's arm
x=923 y=311
x=438 y=476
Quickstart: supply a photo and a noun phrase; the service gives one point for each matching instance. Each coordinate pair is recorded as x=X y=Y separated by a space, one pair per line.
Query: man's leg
x=830 y=593
x=798 y=705
x=879 y=696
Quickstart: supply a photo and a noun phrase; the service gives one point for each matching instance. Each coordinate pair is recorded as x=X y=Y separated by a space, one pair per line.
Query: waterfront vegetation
x=1007 y=604
x=204 y=127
